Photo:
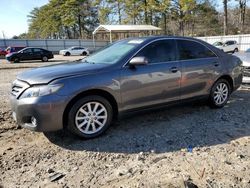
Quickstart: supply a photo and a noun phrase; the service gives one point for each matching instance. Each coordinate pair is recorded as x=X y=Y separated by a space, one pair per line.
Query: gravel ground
x=191 y=142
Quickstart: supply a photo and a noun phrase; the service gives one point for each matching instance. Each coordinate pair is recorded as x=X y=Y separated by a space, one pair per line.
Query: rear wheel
x=220 y=94
x=45 y=59
x=90 y=116
x=84 y=53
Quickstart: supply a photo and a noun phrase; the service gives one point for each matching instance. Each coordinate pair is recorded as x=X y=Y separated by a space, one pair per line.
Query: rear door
x=199 y=67
x=155 y=83
x=37 y=53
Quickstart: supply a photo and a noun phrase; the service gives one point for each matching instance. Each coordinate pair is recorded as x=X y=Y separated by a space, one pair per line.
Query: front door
x=27 y=54
x=154 y=83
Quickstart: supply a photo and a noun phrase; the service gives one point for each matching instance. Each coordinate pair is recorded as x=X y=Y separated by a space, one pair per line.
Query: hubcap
x=221 y=93
x=45 y=58
x=91 y=117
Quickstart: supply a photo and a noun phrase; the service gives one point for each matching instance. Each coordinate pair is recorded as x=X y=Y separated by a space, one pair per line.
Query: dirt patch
x=191 y=142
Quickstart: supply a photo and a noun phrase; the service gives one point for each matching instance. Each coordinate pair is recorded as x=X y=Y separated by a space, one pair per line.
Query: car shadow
x=171 y=129
x=39 y=61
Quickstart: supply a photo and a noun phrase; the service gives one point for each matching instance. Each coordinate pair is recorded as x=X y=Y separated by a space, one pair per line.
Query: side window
x=159 y=51
x=36 y=50
x=193 y=50
x=28 y=50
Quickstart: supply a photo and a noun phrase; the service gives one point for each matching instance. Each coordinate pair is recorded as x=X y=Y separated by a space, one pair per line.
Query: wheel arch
x=229 y=79
x=98 y=92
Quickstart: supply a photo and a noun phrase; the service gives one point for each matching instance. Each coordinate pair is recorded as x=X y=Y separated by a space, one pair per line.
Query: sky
x=13 y=15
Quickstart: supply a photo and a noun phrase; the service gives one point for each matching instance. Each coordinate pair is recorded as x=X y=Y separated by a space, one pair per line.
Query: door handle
x=174 y=69
x=216 y=64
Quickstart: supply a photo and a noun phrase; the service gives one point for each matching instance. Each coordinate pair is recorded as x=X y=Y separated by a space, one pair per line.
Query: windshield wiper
x=85 y=61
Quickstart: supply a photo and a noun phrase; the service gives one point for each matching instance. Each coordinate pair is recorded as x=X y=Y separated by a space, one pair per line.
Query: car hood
x=44 y=75
x=11 y=54
x=245 y=58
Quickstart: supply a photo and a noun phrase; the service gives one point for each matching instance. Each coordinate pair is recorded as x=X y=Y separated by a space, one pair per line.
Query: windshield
x=114 y=52
x=218 y=44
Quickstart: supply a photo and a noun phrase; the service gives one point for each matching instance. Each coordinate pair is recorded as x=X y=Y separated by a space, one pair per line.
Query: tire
x=235 y=50
x=83 y=117
x=45 y=59
x=67 y=54
x=16 y=60
x=220 y=93
x=84 y=53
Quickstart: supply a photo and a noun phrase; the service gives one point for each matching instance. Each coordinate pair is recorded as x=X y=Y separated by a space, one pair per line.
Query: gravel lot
x=210 y=148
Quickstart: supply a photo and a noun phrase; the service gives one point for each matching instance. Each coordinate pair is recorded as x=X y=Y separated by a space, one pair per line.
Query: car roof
x=148 y=38
x=33 y=48
x=152 y=38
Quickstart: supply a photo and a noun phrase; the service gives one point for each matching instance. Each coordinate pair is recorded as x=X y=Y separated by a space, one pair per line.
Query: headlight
x=42 y=90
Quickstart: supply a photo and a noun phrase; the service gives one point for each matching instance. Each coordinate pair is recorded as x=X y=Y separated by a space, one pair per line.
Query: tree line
x=77 y=19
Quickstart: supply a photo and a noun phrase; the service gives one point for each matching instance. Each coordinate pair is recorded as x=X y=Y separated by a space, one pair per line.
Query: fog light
x=33 y=121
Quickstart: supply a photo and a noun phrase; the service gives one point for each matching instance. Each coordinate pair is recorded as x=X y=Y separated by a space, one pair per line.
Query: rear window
x=193 y=50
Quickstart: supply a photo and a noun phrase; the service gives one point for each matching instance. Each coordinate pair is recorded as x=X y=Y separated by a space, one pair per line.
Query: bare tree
x=242 y=6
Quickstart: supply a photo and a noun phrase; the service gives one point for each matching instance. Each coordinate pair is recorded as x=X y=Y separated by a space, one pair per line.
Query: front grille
x=18 y=87
x=246 y=71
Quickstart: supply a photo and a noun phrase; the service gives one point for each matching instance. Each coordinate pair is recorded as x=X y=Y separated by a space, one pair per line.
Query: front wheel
x=16 y=60
x=45 y=59
x=90 y=116
x=235 y=50
x=67 y=54
x=219 y=94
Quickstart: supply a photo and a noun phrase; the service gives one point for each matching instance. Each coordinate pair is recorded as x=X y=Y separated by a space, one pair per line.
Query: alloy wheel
x=221 y=93
x=91 y=117
x=45 y=58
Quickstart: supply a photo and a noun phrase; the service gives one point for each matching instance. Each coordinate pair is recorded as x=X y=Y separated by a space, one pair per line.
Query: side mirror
x=138 y=61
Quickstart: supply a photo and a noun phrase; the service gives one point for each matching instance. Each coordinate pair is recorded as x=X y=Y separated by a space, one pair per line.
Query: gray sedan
x=245 y=58
x=128 y=76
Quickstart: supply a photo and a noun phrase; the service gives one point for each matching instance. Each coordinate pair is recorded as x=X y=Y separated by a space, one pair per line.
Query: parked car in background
x=228 y=46
x=2 y=52
x=74 y=51
x=127 y=76
x=12 y=49
x=30 y=54
x=245 y=58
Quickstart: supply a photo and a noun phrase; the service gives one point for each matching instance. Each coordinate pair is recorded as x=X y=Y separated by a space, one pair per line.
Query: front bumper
x=47 y=111
x=62 y=52
x=246 y=80
x=246 y=75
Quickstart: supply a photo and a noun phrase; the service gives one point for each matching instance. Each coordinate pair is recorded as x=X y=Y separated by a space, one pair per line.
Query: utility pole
x=4 y=39
x=225 y=17
x=3 y=34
